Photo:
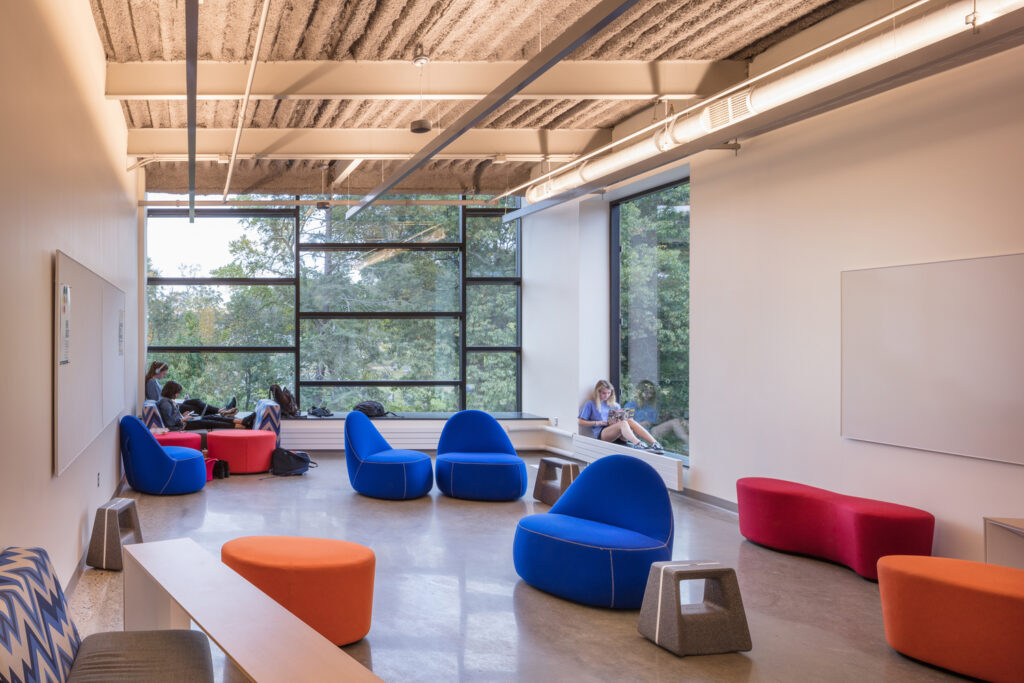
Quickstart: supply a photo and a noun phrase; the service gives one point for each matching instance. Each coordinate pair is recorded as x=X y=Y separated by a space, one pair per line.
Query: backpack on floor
x=285 y=463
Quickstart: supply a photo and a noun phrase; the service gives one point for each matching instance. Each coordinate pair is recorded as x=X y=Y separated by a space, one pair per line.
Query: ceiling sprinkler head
x=420 y=126
x=421 y=58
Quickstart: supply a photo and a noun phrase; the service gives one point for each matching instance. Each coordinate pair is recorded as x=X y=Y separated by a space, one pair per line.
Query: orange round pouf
x=325 y=582
x=961 y=615
x=184 y=439
x=244 y=449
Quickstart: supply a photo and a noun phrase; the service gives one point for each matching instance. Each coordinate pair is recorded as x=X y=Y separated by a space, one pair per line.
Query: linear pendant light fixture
x=763 y=93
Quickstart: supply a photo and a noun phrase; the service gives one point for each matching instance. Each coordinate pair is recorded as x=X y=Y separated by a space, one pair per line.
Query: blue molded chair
x=597 y=543
x=377 y=470
x=476 y=460
x=160 y=470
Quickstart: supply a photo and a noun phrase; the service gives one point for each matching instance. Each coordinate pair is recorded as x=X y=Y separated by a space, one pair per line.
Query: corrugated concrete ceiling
x=313 y=35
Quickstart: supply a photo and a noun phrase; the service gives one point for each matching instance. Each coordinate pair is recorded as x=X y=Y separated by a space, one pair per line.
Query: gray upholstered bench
x=41 y=642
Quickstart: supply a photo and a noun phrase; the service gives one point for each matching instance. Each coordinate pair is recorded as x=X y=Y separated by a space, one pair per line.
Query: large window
x=651 y=310
x=414 y=306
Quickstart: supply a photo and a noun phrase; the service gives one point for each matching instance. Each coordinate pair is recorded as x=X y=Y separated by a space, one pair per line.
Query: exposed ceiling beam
x=615 y=80
x=558 y=49
x=363 y=143
x=191 y=60
x=347 y=171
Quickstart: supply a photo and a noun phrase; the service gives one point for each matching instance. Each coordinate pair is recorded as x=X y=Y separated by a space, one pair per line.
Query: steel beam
x=364 y=143
x=583 y=29
x=348 y=80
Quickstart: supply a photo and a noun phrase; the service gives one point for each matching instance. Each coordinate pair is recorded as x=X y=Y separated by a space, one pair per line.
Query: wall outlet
x=554 y=421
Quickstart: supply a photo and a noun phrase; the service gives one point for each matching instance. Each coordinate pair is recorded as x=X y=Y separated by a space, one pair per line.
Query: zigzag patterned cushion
x=38 y=640
x=268 y=417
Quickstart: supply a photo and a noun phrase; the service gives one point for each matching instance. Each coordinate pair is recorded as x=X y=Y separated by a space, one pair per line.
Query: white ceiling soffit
x=1001 y=33
x=614 y=80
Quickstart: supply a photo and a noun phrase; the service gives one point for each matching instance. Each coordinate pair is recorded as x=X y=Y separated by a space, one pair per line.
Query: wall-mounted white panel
x=88 y=358
x=933 y=356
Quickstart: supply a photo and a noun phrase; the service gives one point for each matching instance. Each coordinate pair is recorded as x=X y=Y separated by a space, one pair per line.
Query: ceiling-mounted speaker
x=420 y=126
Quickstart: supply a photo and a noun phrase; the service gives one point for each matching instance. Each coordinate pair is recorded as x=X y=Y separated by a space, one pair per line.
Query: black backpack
x=372 y=409
x=284 y=398
x=285 y=463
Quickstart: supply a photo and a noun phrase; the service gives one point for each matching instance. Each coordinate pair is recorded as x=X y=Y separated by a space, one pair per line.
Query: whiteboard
x=88 y=358
x=933 y=356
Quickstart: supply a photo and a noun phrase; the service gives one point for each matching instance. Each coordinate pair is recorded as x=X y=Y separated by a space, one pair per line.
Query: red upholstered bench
x=244 y=449
x=845 y=529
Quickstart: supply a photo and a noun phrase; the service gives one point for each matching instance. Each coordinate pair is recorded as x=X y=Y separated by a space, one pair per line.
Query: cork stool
x=716 y=625
x=553 y=477
x=325 y=582
x=116 y=525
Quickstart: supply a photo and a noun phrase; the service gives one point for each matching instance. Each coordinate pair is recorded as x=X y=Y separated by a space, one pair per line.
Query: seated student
x=158 y=370
x=595 y=415
x=647 y=412
x=175 y=420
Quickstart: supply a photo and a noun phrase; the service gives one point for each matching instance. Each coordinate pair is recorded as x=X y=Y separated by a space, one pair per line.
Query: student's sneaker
x=639 y=445
x=656 y=448
x=324 y=412
x=232 y=404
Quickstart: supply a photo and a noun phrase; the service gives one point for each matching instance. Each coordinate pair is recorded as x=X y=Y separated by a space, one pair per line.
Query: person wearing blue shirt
x=597 y=416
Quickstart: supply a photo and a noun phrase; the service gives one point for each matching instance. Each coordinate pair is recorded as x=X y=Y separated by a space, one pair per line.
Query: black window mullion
x=463 y=265
x=378 y=315
x=615 y=317
x=297 y=217
x=212 y=212
x=236 y=281
x=385 y=383
x=494 y=281
x=220 y=349
x=373 y=246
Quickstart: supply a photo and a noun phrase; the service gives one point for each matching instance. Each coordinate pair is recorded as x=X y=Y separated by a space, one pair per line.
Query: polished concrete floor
x=448 y=604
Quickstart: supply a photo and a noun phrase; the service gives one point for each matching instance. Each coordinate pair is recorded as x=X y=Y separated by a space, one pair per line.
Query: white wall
x=929 y=172
x=62 y=186
x=565 y=307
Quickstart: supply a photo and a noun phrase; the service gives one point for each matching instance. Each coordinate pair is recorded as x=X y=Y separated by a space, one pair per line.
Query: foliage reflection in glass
x=654 y=232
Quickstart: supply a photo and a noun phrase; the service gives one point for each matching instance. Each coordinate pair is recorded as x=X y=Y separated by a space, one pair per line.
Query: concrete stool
x=553 y=478
x=116 y=525
x=245 y=450
x=325 y=582
x=716 y=625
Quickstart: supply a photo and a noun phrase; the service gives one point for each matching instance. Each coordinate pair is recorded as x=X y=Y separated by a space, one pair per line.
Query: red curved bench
x=845 y=529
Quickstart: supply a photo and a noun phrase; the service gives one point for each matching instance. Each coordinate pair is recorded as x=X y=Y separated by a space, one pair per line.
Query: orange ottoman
x=184 y=439
x=325 y=582
x=964 y=616
x=245 y=450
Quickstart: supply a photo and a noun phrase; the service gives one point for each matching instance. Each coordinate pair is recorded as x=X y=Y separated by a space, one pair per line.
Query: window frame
x=294 y=281
x=615 y=277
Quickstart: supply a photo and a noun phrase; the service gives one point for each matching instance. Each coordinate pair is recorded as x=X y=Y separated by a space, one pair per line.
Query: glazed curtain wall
x=650 y=310
x=417 y=307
